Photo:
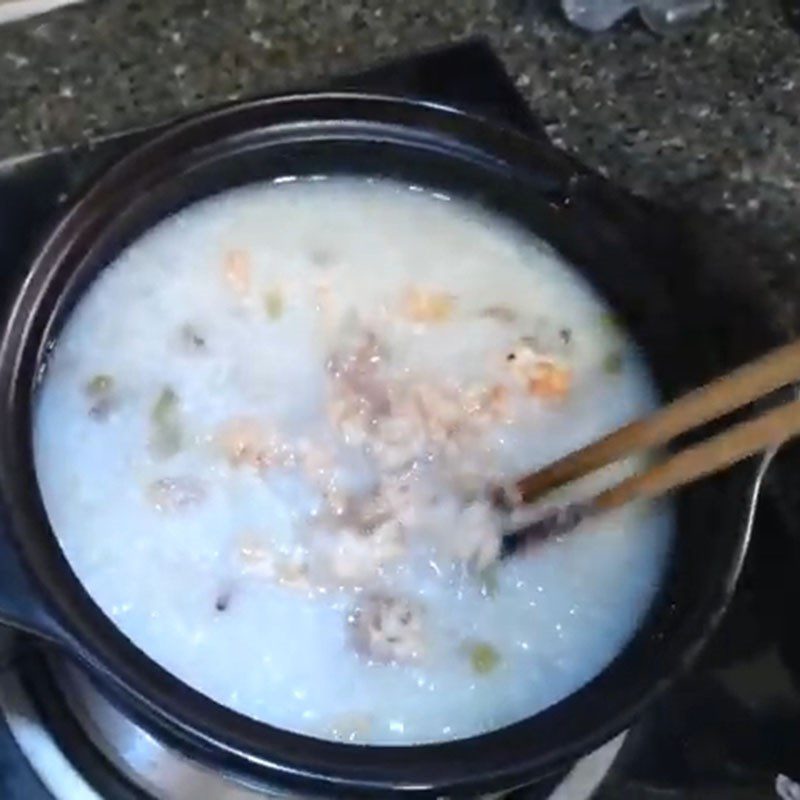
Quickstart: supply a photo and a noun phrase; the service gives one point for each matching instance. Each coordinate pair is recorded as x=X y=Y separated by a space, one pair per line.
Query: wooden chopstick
x=721 y=451
x=712 y=455
x=745 y=384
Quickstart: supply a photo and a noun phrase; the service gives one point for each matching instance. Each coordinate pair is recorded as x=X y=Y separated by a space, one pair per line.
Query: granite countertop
x=706 y=119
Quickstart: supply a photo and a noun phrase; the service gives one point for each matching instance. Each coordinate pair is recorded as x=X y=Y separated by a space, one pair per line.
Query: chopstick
x=715 y=454
x=689 y=465
x=750 y=382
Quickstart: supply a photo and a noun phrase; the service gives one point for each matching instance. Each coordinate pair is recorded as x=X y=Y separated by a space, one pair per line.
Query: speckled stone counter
x=706 y=119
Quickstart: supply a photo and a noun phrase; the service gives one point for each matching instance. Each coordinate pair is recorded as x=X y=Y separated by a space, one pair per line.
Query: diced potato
x=237 y=269
x=428 y=305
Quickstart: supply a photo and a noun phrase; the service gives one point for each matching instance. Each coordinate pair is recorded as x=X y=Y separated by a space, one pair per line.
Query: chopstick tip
x=506 y=498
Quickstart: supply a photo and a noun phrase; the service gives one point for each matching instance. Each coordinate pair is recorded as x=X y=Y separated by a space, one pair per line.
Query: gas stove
x=81 y=747
x=728 y=731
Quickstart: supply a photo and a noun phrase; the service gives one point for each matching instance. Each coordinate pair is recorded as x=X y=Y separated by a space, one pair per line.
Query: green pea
x=273 y=304
x=613 y=363
x=166 y=435
x=483 y=658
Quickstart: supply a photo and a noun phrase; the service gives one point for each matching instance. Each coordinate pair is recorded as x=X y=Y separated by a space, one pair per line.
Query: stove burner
x=82 y=747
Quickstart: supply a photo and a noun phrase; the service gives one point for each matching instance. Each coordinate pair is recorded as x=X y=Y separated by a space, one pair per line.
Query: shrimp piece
x=242 y=439
x=539 y=375
x=245 y=442
x=550 y=380
x=427 y=305
x=237 y=268
x=386 y=629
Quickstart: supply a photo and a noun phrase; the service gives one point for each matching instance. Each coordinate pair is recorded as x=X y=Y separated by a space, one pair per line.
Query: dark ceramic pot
x=416 y=143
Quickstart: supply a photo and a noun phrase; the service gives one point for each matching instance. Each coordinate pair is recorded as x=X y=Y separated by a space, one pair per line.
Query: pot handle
x=21 y=604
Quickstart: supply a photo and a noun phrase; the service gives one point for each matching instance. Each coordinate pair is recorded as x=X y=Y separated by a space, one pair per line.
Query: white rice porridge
x=266 y=439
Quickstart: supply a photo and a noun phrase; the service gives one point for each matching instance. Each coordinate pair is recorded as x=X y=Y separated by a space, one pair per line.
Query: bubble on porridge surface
x=284 y=408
